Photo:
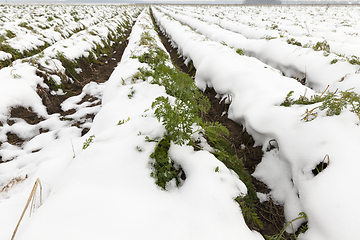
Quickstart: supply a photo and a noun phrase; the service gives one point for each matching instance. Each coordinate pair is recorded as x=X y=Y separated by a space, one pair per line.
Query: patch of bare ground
x=98 y=72
x=270 y=214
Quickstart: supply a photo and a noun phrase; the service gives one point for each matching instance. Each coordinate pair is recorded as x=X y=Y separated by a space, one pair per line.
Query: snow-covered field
x=99 y=185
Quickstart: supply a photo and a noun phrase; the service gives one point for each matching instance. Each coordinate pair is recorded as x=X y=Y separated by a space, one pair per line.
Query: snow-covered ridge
x=294 y=61
x=334 y=23
x=257 y=92
x=45 y=25
x=23 y=71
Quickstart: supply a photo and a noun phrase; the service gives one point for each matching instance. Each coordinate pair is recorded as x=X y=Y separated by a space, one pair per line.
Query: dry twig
x=32 y=199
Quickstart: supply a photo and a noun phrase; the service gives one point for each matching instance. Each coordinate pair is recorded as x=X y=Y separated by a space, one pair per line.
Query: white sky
x=163 y=1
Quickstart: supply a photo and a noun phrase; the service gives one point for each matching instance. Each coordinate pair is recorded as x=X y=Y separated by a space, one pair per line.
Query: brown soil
x=101 y=71
x=270 y=214
x=95 y=72
x=25 y=113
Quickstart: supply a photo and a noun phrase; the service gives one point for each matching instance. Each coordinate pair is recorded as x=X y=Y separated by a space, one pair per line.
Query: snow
x=257 y=92
x=294 y=61
x=17 y=90
x=5 y=55
x=105 y=190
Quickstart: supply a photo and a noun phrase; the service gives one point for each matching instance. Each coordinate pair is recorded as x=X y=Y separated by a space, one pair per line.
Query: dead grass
x=12 y=183
x=32 y=200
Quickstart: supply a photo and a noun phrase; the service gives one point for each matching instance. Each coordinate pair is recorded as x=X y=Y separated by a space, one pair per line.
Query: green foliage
x=240 y=51
x=146 y=39
x=216 y=135
x=15 y=75
x=25 y=25
x=54 y=86
x=302 y=100
x=293 y=41
x=288 y=100
x=111 y=35
x=131 y=94
x=76 y=19
x=322 y=46
x=274 y=26
x=333 y=102
x=248 y=211
x=2 y=38
x=10 y=34
x=43 y=26
x=93 y=32
x=105 y=48
x=123 y=121
x=179 y=115
x=5 y=63
x=334 y=61
x=354 y=60
x=17 y=54
x=92 y=59
x=7 y=48
x=303 y=228
x=68 y=65
x=177 y=118
x=88 y=142
x=155 y=57
x=164 y=169
x=268 y=37
x=215 y=132
x=279 y=236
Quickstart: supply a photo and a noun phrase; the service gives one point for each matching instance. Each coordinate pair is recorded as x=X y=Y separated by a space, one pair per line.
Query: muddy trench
x=270 y=213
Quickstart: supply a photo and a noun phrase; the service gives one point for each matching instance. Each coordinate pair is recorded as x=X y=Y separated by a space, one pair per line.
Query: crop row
x=316 y=66
x=339 y=36
x=178 y=111
x=28 y=31
x=29 y=83
x=334 y=24
x=294 y=147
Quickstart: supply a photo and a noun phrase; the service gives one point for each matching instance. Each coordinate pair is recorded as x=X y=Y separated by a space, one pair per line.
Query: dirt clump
x=25 y=113
x=17 y=113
